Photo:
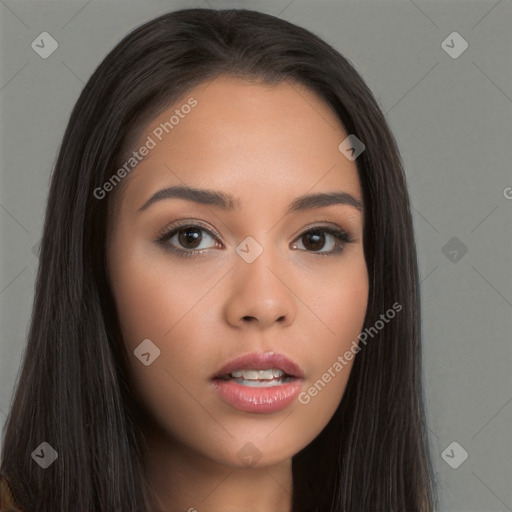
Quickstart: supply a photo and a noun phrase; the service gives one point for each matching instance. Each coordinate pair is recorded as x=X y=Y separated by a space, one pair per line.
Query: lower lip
x=253 y=399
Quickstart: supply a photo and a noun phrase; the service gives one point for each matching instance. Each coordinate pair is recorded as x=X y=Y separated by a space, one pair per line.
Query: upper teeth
x=272 y=373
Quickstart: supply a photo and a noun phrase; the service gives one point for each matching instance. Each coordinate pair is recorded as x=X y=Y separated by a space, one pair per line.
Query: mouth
x=260 y=368
x=259 y=378
x=259 y=382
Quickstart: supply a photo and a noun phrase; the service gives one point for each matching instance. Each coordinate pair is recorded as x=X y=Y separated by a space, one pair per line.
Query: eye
x=192 y=238
x=321 y=236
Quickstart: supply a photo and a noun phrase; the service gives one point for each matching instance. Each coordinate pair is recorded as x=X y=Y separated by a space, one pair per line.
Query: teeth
x=260 y=383
x=265 y=374
x=272 y=373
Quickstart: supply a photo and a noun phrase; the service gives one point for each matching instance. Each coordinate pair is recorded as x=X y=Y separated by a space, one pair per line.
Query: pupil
x=188 y=235
x=315 y=240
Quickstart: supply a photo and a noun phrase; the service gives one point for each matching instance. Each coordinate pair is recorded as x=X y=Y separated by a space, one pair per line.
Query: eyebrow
x=229 y=203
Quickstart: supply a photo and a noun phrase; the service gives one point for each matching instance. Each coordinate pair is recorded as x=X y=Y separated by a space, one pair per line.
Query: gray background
x=452 y=121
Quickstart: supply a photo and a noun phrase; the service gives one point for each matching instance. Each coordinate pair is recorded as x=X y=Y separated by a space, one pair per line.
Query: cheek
x=338 y=297
x=348 y=304
x=171 y=311
x=161 y=305
x=348 y=310
x=342 y=310
x=160 y=300
x=151 y=297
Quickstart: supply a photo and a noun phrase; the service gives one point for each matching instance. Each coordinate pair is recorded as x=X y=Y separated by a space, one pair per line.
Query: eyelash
x=167 y=233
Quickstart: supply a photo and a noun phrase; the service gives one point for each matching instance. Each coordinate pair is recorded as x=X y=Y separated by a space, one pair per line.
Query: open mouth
x=259 y=378
x=259 y=382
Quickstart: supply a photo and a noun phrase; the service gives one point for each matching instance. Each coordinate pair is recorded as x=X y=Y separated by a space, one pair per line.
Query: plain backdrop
x=452 y=118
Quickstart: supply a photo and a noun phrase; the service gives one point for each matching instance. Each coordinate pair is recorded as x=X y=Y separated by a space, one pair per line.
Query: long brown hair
x=72 y=391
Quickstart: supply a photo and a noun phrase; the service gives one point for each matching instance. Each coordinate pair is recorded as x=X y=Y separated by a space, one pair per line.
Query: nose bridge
x=254 y=263
x=259 y=293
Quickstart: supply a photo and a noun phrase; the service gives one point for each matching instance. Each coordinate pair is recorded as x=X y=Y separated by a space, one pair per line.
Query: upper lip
x=261 y=361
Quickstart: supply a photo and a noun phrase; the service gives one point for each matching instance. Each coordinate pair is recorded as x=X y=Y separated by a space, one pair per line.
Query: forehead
x=252 y=137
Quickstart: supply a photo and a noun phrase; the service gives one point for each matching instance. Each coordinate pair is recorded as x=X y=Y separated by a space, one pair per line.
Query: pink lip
x=259 y=400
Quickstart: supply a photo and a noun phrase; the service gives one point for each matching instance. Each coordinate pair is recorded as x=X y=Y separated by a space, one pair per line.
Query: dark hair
x=73 y=389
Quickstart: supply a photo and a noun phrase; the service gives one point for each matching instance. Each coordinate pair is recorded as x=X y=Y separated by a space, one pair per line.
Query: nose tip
x=259 y=297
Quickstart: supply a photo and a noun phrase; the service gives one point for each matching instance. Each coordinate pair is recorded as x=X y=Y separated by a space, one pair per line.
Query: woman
x=274 y=363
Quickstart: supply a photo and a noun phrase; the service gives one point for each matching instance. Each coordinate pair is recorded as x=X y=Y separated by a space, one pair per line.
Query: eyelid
x=185 y=224
x=329 y=227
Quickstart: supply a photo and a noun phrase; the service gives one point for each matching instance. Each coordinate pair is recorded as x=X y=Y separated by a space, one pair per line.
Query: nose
x=260 y=294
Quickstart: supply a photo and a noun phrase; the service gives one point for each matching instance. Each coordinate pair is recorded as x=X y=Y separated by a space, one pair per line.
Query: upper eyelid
x=175 y=227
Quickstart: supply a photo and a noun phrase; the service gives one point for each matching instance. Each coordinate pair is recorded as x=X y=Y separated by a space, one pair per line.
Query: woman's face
x=249 y=278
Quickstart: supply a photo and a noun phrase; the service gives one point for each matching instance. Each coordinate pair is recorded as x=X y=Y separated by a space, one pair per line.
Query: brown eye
x=318 y=238
x=187 y=240
x=313 y=240
x=190 y=237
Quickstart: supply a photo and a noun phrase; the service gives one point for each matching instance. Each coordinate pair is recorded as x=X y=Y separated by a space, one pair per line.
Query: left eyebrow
x=228 y=202
x=324 y=199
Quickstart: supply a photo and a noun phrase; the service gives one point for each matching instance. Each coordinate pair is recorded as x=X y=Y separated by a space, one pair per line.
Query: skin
x=266 y=145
